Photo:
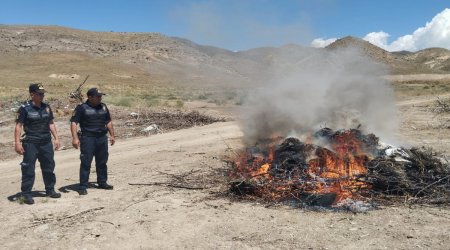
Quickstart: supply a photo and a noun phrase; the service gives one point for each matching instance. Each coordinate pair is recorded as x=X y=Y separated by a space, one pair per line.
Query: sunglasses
x=40 y=94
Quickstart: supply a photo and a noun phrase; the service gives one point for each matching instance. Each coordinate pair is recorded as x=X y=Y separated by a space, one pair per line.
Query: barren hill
x=435 y=60
x=185 y=61
x=145 y=210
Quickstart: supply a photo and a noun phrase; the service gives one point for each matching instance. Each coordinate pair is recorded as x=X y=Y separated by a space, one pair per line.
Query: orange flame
x=335 y=170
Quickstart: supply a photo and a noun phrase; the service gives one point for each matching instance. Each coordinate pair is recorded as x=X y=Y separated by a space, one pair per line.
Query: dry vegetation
x=177 y=74
x=153 y=79
x=418 y=88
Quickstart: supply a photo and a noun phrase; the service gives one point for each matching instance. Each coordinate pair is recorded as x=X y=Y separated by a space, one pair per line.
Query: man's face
x=37 y=96
x=95 y=100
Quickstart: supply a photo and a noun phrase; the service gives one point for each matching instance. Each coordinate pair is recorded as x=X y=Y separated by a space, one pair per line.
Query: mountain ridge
x=160 y=54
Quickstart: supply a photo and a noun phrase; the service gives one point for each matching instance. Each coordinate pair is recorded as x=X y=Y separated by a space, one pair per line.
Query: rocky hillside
x=159 y=54
x=437 y=59
x=433 y=60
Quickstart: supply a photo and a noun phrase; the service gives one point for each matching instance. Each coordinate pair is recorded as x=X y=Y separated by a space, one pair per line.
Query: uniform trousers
x=45 y=154
x=90 y=147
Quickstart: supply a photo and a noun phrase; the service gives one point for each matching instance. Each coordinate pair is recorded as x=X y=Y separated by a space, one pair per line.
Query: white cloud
x=377 y=38
x=320 y=42
x=436 y=33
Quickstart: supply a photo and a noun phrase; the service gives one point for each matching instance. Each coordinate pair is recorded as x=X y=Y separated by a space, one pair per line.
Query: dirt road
x=161 y=217
x=422 y=100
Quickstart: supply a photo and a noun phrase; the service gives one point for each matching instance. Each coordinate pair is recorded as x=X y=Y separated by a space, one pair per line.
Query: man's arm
x=74 y=120
x=17 y=143
x=75 y=139
x=55 y=135
x=110 y=128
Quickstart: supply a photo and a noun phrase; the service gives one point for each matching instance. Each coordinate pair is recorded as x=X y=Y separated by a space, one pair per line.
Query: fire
x=302 y=171
x=262 y=170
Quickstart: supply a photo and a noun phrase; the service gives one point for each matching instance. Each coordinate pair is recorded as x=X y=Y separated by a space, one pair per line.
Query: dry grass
x=417 y=88
x=127 y=85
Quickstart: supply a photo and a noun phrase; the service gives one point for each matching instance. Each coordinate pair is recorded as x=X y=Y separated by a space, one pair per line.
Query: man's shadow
x=18 y=196
x=75 y=187
x=63 y=189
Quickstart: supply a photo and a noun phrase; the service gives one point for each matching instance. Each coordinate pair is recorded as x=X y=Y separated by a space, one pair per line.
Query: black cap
x=94 y=92
x=36 y=87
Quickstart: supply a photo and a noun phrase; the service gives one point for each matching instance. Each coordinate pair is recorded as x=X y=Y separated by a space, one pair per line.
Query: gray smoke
x=241 y=25
x=337 y=89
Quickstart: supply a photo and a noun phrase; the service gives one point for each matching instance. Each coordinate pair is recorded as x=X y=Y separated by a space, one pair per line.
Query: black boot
x=28 y=199
x=82 y=192
x=52 y=194
x=105 y=186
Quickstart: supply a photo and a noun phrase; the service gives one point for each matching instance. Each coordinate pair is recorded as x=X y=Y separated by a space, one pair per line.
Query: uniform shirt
x=36 y=122
x=92 y=120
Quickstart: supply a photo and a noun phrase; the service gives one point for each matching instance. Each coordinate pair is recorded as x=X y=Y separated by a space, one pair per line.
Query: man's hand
x=76 y=143
x=19 y=149
x=112 y=140
x=57 y=144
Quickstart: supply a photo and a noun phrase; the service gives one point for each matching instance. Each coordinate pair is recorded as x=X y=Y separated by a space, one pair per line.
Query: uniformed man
x=36 y=118
x=95 y=122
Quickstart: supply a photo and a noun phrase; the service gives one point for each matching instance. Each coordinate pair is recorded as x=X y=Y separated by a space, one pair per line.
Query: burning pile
x=341 y=166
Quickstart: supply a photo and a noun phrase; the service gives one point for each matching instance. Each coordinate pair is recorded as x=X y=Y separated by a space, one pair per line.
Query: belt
x=92 y=134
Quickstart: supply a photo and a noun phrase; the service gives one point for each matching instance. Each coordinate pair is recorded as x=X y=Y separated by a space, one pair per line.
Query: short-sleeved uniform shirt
x=36 y=122
x=92 y=119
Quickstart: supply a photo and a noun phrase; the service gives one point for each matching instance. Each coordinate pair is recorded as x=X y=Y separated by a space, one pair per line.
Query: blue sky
x=244 y=24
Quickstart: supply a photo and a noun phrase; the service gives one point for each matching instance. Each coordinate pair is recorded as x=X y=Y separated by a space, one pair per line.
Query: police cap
x=36 y=87
x=94 y=92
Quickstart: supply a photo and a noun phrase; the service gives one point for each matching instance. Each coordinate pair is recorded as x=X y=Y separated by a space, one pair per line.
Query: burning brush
x=341 y=166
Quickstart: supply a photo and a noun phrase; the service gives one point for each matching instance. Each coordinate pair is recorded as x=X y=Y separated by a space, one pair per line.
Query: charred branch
x=350 y=166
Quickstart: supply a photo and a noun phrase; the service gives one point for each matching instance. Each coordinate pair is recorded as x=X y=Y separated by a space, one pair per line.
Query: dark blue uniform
x=37 y=144
x=93 y=140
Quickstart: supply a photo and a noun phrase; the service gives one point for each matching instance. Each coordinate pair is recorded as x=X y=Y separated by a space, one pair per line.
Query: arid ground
x=159 y=216
x=170 y=188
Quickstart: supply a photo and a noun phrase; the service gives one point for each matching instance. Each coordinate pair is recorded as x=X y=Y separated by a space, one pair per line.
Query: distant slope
x=402 y=62
x=177 y=60
x=435 y=58
x=159 y=55
x=130 y=47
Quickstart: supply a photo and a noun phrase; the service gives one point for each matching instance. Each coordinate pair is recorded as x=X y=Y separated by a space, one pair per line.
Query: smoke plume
x=337 y=89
